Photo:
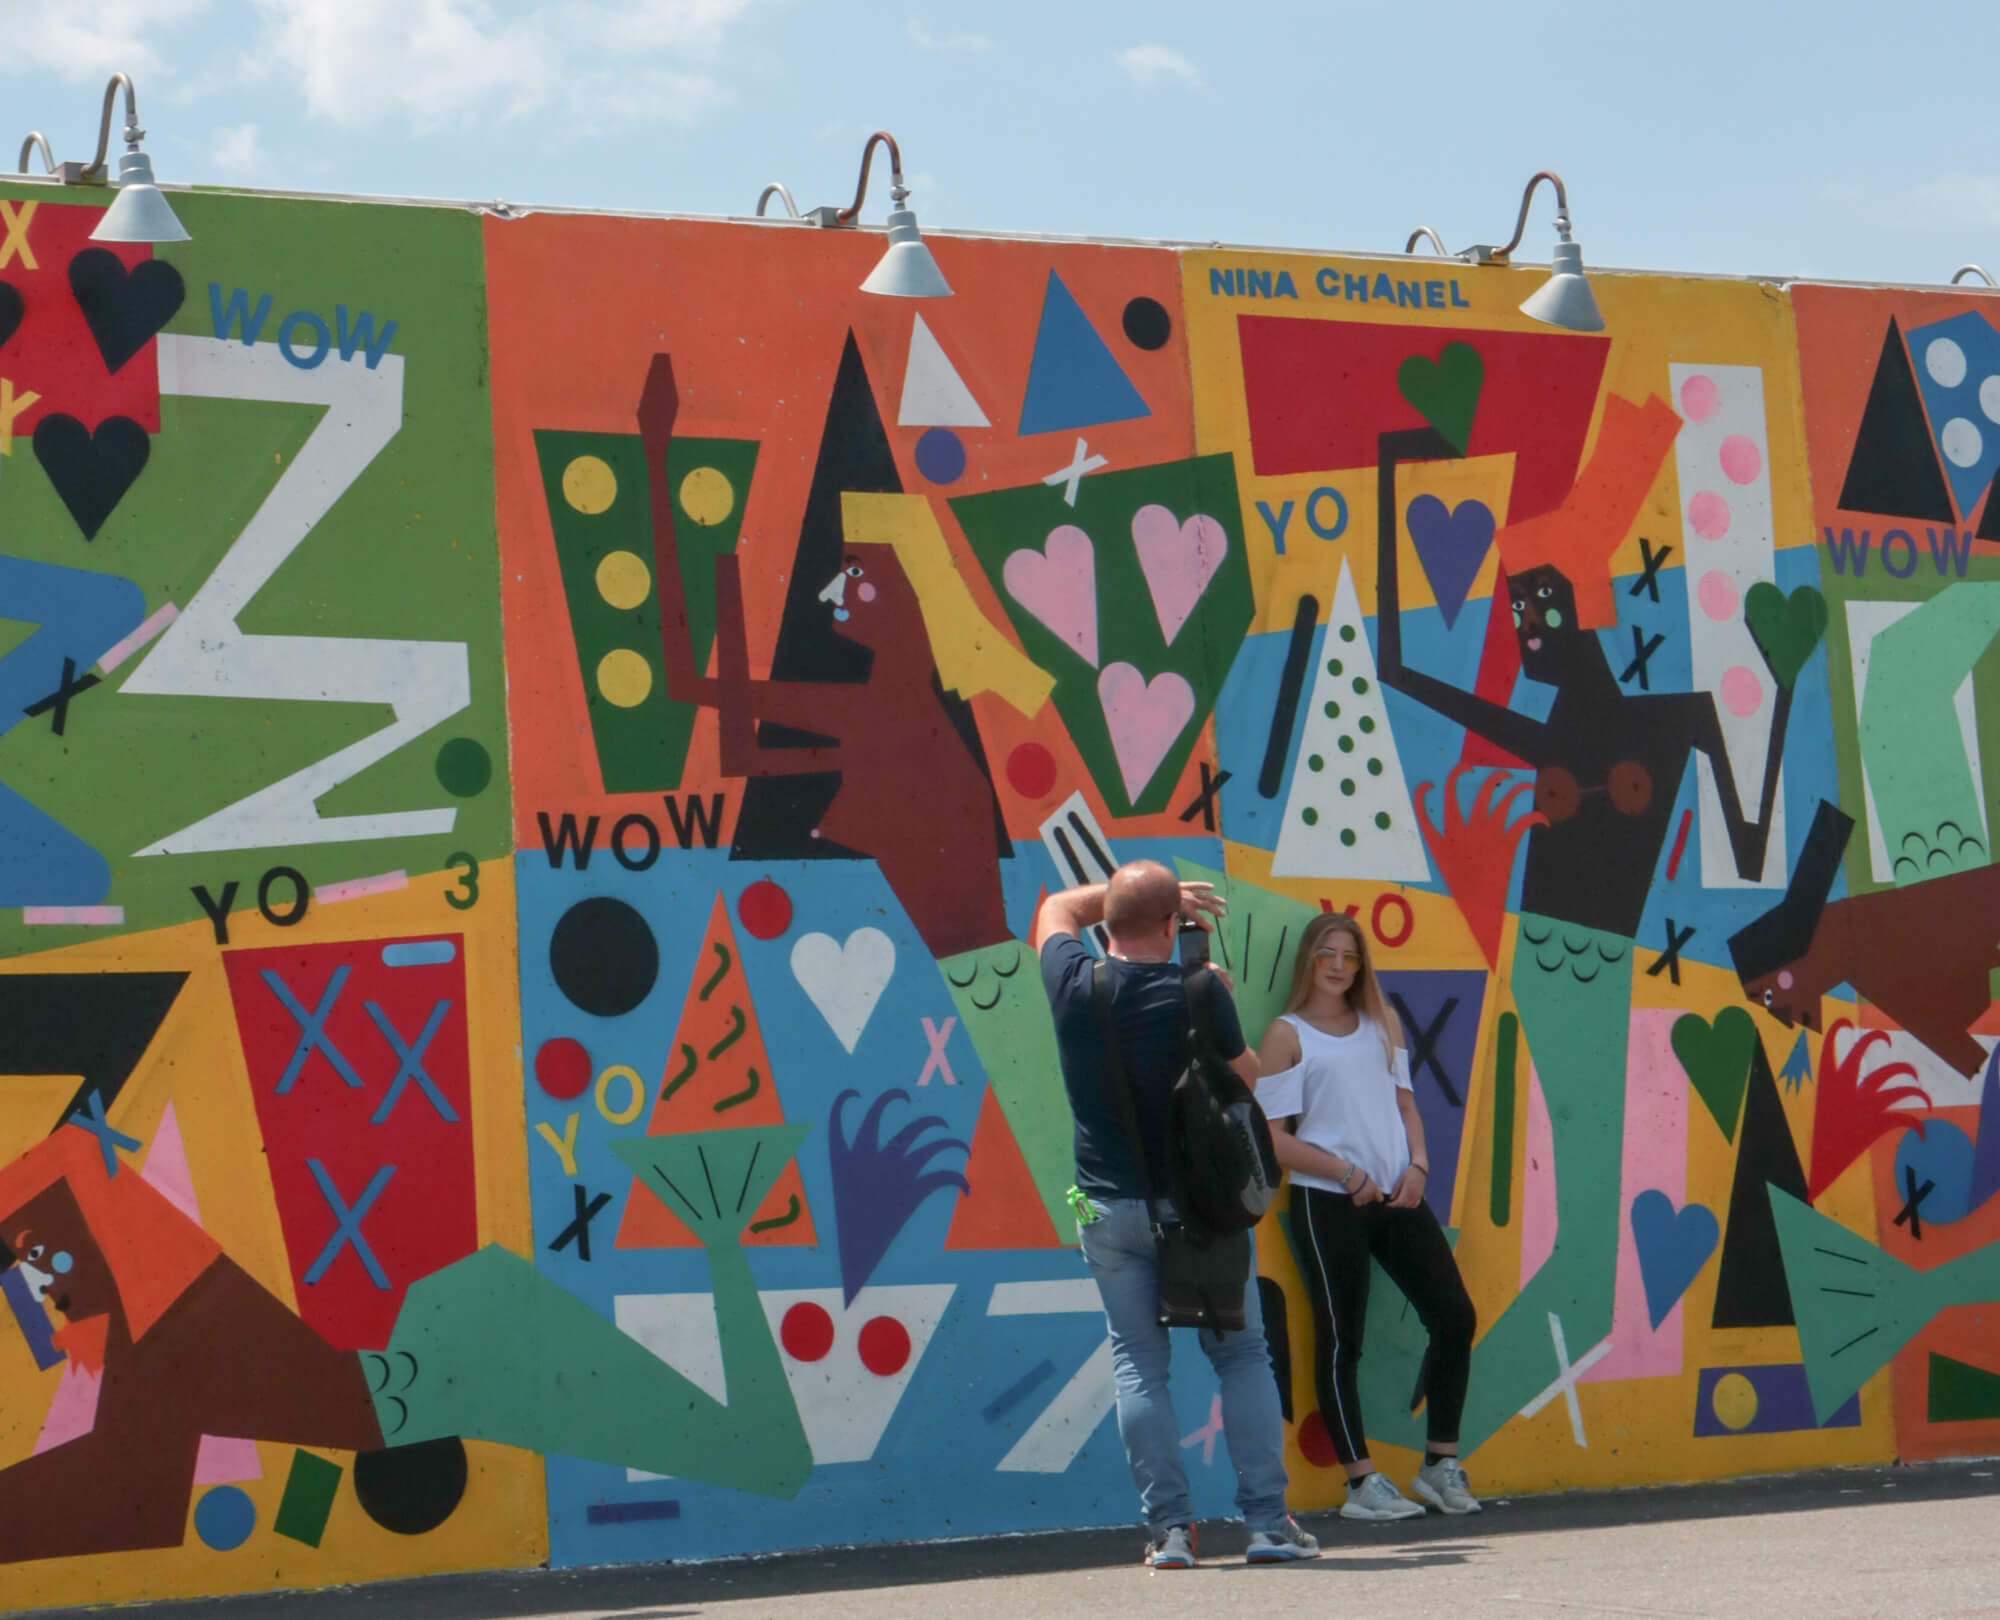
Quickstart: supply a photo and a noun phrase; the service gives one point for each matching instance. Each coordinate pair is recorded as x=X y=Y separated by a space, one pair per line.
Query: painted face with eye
x=873 y=602
x=58 y=1259
x=852 y=578
x=1544 y=621
x=1788 y=995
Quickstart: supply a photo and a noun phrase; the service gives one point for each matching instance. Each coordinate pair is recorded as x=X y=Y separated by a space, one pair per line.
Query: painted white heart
x=845 y=981
x=1179 y=559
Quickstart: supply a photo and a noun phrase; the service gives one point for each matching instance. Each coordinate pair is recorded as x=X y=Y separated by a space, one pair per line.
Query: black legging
x=1336 y=1239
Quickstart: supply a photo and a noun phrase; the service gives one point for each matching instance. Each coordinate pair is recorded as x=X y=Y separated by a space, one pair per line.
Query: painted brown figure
x=912 y=796
x=1922 y=953
x=184 y=1342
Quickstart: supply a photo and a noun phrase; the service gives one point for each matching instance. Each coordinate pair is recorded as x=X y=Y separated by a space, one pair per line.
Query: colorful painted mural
x=538 y=743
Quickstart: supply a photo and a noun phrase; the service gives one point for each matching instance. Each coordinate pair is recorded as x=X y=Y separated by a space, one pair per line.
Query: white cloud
x=1150 y=65
x=238 y=152
x=428 y=63
x=88 y=42
x=925 y=40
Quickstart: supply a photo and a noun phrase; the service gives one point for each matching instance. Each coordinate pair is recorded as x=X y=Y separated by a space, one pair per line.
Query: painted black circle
x=1147 y=323
x=604 y=957
x=411 y=1489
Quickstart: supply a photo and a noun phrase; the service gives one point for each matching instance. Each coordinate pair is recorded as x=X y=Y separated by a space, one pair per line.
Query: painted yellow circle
x=624 y=580
x=1734 y=1400
x=635 y=1096
x=707 y=496
x=624 y=678
x=589 y=485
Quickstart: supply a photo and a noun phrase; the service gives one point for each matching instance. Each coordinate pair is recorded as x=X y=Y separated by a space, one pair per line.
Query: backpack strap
x=1121 y=1086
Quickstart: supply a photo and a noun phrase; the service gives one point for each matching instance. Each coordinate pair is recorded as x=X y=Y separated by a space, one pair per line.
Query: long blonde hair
x=1364 y=995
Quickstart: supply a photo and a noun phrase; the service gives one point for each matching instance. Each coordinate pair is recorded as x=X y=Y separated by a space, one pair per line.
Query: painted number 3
x=468 y=881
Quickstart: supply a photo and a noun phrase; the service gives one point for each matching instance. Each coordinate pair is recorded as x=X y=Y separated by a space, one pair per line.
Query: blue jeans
x=1123 y=1257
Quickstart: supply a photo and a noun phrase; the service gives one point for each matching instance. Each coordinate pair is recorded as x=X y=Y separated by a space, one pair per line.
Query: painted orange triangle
x=718 y=1075
x=1003 y=1210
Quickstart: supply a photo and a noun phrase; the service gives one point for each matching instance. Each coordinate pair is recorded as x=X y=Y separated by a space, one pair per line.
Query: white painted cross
x=1072 y=475
x=1566 y=1379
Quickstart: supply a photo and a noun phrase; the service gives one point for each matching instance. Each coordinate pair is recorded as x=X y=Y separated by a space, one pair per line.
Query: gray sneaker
x=1374 y=1496
x=1443 y=1485
x=1283 y=1545
x=1173 y=1547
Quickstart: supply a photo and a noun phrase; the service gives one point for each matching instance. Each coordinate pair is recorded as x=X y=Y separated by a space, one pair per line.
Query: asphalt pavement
x=1914 y=1543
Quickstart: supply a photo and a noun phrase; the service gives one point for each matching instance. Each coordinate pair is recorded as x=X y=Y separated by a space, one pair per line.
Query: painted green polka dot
x=1309 y=816
x=1347 y=745
x=1368 y=722
x=1374 y=767
x=1382 y=819
x=1361 y=683
x=1347 y=836
x=1333 y=711
x=464 y=768
x=1333 y=666
x=1347 y=786
x=1317 y=762
x=1347 y=632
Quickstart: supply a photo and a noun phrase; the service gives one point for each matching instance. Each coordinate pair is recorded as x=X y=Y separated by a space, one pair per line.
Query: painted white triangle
x=844 y=1407
x=1348 y=778
x=934 y=395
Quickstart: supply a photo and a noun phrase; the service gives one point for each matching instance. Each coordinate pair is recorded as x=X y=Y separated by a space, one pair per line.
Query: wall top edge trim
x=501 y=209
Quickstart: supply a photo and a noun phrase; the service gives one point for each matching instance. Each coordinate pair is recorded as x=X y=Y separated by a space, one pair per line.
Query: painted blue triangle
x=1986 y=1152
x=1074 y=381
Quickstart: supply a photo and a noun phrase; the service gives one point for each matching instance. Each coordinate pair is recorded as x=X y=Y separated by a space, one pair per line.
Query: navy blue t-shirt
x=1151 y=1017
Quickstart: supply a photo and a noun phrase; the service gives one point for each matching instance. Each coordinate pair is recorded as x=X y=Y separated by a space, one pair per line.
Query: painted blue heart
x=1451 y=542
x=1672 y=1247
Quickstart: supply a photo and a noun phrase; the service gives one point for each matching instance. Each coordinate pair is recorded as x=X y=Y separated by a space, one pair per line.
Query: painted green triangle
x=1961 y=1392
x=713 y=1180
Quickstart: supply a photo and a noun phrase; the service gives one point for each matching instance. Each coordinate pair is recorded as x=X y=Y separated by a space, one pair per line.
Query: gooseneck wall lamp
x=139 y=213
x=1565 y=299
x=907 y=270
x=1965 y=272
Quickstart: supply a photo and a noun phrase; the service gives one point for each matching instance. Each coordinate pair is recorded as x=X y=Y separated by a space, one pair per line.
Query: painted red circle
x=1032 y=770
x=885 y=1346
x=765 y=910
x=1315 y=1444
x=562 y=1067
x=806 y=1332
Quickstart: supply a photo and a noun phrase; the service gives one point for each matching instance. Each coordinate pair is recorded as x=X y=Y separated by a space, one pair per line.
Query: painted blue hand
x=878 y=1185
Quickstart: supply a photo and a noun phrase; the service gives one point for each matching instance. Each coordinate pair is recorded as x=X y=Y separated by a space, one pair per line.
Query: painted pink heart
x=1058 y=585
x=1179 y=559
x=1144 y=719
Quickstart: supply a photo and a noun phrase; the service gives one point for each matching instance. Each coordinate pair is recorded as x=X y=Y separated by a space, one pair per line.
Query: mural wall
x=538 y=744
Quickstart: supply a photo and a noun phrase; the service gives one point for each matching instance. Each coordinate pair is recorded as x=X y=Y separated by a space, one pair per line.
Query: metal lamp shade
x=1565 y=299
x=907 y=270
x=139 y=213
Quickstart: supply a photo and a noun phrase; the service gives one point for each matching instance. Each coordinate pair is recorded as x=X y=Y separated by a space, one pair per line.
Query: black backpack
x=1221 y=1167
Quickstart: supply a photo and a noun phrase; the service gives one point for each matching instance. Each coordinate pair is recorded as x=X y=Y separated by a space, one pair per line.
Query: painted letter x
x=410 y=1062
x=16 y=217
x=937 y=1060
x=312 y=1029
x=348 y=1229
x=108 y=1139
x=1423 y=1044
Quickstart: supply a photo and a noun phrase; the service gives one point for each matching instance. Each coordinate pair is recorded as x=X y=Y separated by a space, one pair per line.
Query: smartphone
x=1194 y=946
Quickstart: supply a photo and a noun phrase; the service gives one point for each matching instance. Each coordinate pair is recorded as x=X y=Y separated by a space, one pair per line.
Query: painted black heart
x=124 y=309
x=91 y=471
x=11 y=309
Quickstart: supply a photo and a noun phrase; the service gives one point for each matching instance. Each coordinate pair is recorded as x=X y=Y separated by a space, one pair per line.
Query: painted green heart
x=1786 y=628
x=1717 y=1059
x=1445 y=391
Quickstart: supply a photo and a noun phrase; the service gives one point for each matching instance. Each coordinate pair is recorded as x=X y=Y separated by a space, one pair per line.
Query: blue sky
x=1736 y=138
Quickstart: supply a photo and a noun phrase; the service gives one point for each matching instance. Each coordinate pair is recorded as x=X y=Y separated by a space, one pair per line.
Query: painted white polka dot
x=1962 y=443
x=1989 y=398
x=1945 y=361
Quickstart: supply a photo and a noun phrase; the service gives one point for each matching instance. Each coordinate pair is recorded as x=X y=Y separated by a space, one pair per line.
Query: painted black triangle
x=96 y=1025
x=1989 y=523
x=1750 y=1288
x=1894 y=469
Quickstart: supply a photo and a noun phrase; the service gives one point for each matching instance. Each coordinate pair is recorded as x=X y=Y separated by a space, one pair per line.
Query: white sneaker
x=1444 y=1486
x=1283 y=1545
x=1374 y=1496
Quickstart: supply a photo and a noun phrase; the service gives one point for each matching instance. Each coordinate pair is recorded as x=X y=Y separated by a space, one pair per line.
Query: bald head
x=1141 y=899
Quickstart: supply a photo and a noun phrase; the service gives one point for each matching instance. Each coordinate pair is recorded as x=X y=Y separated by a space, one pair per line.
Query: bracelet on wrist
x=1424 y=1168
